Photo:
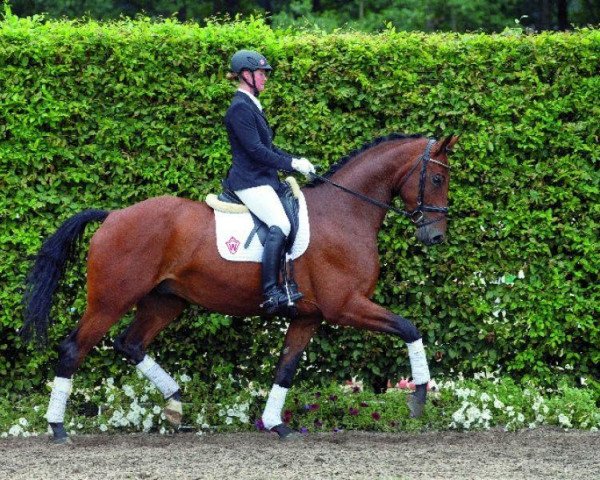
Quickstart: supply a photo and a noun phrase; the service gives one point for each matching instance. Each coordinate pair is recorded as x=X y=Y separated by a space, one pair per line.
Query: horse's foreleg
x=297 y=337
x=154 y=312
x=362 y=313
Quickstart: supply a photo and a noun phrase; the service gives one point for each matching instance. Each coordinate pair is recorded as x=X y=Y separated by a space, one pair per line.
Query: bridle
x=417 y=215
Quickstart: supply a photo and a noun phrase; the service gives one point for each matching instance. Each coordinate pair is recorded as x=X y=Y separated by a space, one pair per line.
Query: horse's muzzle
x=431 y=234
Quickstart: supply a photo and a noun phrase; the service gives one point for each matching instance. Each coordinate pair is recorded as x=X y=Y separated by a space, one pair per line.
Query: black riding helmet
x=252 y=61
x=248 y=60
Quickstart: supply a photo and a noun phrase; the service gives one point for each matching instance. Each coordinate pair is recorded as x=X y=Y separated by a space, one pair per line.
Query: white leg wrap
x=272 y=415
x=418 y=362
x=61 y=389
x=161 y=379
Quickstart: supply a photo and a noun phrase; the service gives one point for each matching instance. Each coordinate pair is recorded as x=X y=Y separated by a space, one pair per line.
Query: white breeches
x=263 y=202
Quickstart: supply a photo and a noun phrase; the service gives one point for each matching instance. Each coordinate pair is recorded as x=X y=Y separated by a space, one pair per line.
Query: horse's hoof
x=173 y=412
x=59 y=434
x=416 y=408
x=286 y=434
x=174 y=418
x=61 y=440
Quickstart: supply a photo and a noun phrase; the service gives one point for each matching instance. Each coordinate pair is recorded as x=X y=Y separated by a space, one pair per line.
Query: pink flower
x=403 y=383
x=375 y=416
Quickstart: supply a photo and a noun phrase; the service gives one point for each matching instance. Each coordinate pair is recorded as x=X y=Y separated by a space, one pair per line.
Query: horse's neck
x=372 y=173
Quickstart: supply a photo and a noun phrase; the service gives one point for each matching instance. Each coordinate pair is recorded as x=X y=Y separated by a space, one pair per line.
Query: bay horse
x=159 y=255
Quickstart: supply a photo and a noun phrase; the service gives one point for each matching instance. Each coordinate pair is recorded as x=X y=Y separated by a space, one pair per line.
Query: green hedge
x=102 y=115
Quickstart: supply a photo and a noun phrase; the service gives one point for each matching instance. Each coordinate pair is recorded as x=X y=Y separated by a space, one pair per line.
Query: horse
x=159 y=255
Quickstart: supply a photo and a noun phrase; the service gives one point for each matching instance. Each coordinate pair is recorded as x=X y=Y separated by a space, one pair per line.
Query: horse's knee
x=68 y=356
x=133 y=351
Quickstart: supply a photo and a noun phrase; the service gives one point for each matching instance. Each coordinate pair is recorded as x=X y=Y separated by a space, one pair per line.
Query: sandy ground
x=541 y=453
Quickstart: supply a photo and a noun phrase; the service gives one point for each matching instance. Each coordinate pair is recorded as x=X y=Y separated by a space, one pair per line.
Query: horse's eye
x=437 y=179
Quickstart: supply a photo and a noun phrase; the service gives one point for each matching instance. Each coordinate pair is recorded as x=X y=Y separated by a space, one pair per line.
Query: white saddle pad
x=233 y=230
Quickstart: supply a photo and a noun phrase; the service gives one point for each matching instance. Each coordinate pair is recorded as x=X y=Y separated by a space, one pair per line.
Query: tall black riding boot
x=276 y=298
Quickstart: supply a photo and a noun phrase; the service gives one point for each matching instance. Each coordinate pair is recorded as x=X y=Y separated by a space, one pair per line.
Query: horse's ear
x=445 y=144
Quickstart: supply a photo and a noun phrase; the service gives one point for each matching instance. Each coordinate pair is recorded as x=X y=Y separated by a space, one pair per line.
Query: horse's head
x=424 y=189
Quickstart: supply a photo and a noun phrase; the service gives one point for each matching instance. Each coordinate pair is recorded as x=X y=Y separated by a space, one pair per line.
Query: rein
x=415 y=215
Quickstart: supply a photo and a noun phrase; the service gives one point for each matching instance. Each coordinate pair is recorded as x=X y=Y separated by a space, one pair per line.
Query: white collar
x=253 y=98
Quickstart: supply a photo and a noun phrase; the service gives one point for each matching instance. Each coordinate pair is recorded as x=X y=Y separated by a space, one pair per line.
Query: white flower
x=564 y=420
x=458 y=416
x=103 y=427
x=156 y=410
x=545 y=409
x=485 y=397
x=128 y=390
x=229 y=420
x=473 y=413
x=23 y=422
x=498 y=404
x=110 y=382
x=521 y=274
x=464 y=393
x=521 y=417
x=147 y=423
x=15 y=430
x=185 y=378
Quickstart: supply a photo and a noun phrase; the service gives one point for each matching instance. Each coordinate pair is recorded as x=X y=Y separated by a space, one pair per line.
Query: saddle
x=228 y=201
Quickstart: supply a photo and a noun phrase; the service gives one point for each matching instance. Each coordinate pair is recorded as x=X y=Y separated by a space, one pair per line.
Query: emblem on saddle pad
x=232 y=245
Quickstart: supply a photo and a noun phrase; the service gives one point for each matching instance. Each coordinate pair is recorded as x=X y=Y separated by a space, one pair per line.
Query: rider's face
x=260 y=78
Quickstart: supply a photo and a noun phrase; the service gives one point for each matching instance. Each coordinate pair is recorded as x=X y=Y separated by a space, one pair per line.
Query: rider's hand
x=302 y=165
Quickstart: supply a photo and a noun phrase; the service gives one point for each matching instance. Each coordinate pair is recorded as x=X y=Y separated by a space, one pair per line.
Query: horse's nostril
x=437 y=239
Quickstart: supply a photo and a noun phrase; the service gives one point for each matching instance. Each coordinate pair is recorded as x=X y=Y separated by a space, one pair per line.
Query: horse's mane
x=343 y=161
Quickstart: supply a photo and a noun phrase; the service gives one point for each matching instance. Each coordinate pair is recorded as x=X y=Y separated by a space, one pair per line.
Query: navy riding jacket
x=255 y=159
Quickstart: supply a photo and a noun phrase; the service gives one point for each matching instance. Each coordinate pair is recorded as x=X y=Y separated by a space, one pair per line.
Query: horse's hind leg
x=154 y=312
x=71 y=352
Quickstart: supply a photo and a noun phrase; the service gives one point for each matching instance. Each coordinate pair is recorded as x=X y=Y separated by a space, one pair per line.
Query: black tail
x=49 y=266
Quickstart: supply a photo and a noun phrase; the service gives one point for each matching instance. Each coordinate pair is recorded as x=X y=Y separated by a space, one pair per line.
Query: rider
x=253 y=175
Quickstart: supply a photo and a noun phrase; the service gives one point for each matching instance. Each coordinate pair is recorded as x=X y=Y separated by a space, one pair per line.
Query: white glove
x=302 y=165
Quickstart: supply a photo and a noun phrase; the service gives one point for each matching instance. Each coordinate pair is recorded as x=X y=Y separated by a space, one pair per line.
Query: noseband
x=417 y=215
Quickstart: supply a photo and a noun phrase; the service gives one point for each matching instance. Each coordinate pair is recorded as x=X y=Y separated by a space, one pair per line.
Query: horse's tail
x=50 y=263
